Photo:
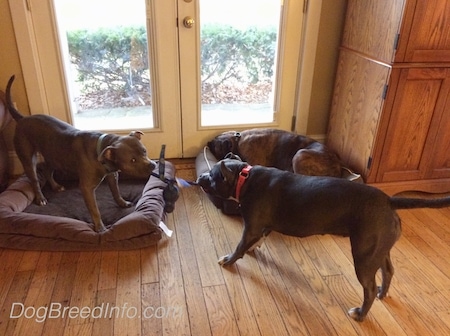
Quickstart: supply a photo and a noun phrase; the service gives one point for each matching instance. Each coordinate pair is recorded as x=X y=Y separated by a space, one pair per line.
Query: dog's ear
x=107 y=154
x=137 y=134
x=226 y=172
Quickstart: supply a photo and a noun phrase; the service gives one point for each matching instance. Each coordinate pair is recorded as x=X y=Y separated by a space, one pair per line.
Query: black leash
x=162 y=171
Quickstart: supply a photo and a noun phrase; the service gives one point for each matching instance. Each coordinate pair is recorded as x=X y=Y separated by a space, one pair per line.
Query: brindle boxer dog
x=301 y=206
x=91 y=156
x=280 y=149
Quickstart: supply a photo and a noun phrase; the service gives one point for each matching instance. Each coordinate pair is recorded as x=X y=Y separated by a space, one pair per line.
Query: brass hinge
x=385 y=90
x=293 y=122
x=397 y=39
x=369 y=162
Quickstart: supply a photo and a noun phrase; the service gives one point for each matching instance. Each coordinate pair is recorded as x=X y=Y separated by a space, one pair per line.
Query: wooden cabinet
x=390 y=116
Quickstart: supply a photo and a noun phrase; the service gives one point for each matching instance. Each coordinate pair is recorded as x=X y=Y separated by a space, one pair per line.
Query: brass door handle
x=188 y=22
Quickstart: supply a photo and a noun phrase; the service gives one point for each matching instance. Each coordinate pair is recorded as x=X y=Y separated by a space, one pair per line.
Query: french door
x=200 y=67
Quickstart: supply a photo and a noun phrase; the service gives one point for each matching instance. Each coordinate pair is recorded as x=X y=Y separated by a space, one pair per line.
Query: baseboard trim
x=435 y=186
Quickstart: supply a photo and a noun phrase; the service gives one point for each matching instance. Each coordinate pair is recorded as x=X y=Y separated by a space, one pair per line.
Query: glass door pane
x=238 y=41
x=106 y=61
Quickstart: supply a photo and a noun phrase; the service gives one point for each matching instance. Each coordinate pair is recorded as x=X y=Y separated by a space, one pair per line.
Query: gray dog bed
x=64 y=224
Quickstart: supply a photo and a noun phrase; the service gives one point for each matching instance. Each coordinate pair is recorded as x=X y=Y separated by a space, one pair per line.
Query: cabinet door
x=428 y=26
x=415 y=126
x=437 y=151
x=371 y=27
x=356 y=108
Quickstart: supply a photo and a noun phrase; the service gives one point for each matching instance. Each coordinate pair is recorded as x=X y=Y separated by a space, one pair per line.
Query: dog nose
x=203 y=180
x=152 y=164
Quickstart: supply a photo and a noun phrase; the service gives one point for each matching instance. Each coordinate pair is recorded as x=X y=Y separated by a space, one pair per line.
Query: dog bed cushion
x=26 y=226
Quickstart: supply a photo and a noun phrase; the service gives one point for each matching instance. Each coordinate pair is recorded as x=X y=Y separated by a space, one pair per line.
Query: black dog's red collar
x=243 y=175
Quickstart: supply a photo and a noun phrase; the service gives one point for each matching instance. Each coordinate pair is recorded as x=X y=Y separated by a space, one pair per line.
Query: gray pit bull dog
x=91 y=156
x=301 y=206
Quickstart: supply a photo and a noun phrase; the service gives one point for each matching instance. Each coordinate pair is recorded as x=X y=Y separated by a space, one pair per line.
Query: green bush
x=115 y=59
x=246 y=55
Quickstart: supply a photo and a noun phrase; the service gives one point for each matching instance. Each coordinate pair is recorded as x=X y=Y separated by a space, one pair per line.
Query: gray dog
x=88 y=155
x=301 y=206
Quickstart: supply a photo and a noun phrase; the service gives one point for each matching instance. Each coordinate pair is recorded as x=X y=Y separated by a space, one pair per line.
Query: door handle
x=188 y=22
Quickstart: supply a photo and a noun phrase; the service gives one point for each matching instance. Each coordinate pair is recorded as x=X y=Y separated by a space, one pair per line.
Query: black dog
x=298 y=205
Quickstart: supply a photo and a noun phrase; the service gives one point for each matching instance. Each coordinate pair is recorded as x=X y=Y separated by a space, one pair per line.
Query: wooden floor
x=289 y=286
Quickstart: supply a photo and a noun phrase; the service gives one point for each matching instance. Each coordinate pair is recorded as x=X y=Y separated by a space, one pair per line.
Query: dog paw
x=355 y=313
x=382 y=293
x=100 y=228
x=225 y=260
x=57 y=187
x=124 y=204
x=41 y=201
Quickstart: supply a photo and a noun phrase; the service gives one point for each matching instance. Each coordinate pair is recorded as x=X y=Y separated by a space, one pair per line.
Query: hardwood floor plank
x=29 y=260
x=171 y=285
x=345 y=325
x=85 y=284
x=265 y=311
x=191 y=260
x=283 y=300
x=79 y=330
x=39 y=295
x=151 y=302
x=108 y=270
x=128 y=294
x=242 y=308
x=425 y=231
x=409 y=266
x=202 y=238
x=8 y=268
x=445 y=317
x=220 y=311
x=16 y=295
x=149 y=264
x=103 y=320
x=62 y=293
x=287 y=252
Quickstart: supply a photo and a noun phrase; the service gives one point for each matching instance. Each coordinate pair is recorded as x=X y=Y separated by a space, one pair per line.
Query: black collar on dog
x=243 y=175
x=109 y=168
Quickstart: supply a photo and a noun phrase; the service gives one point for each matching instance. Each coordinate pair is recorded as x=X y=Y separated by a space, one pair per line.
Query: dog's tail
x=413 y=203
x=15 y=114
